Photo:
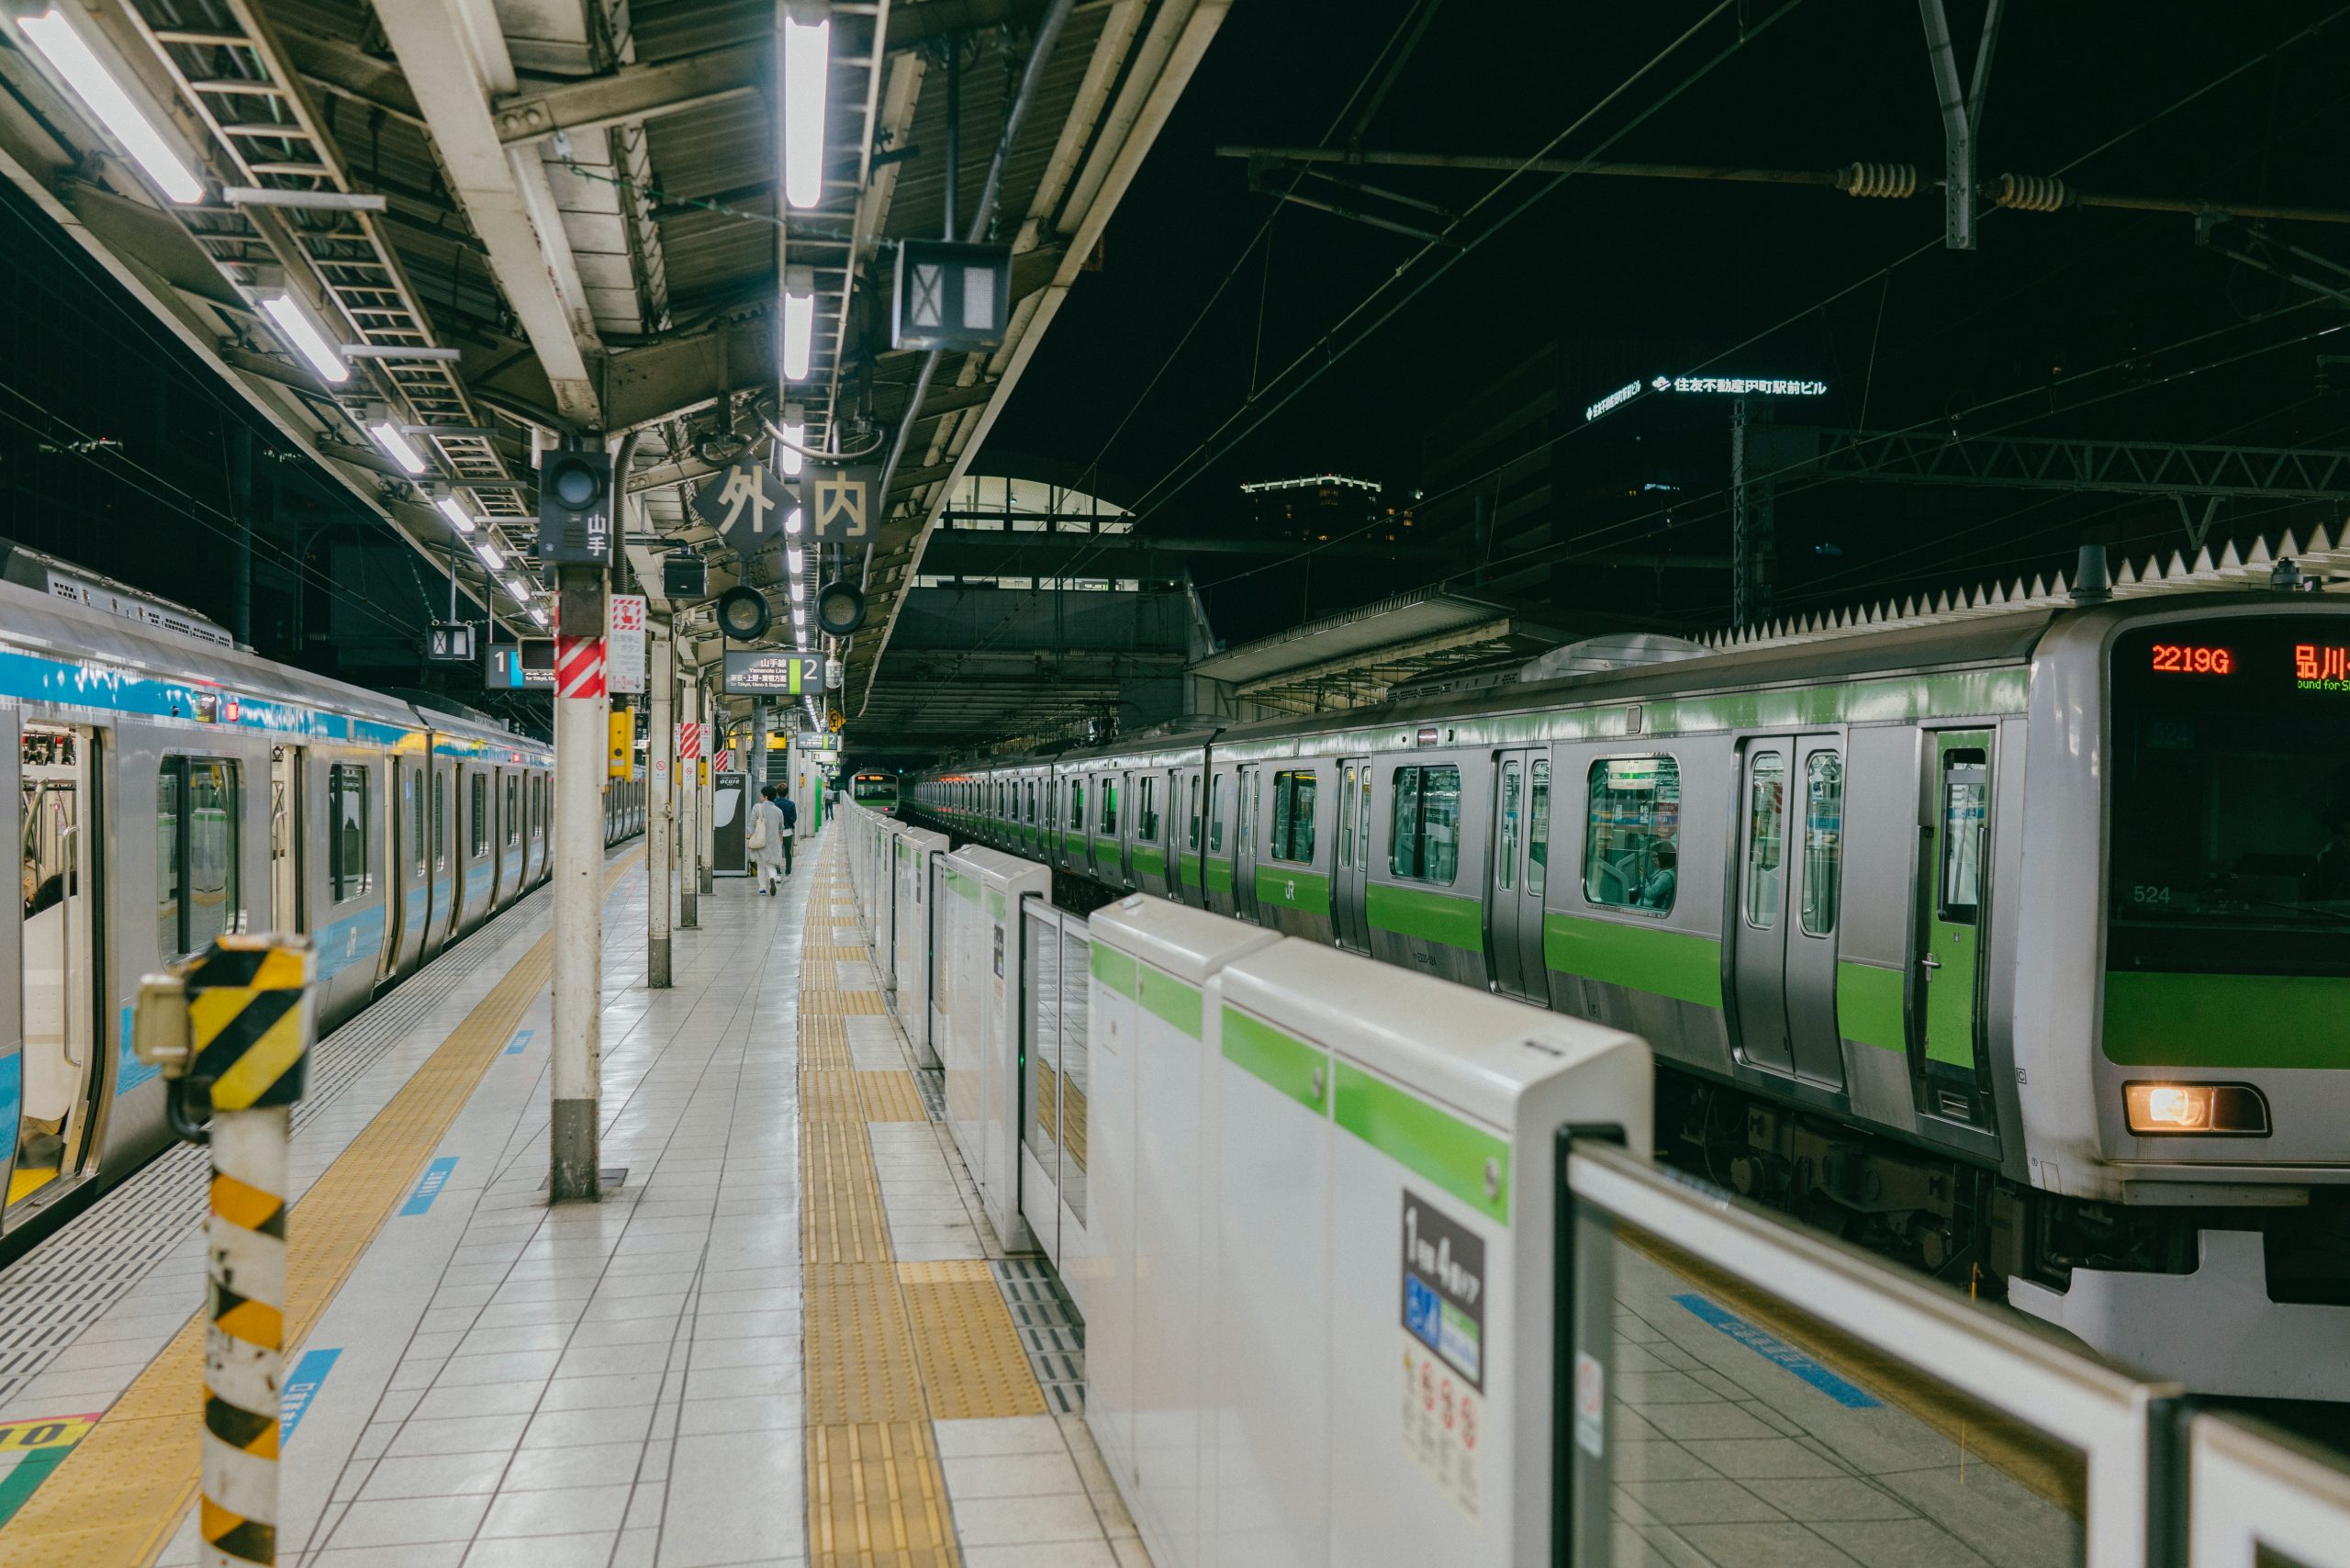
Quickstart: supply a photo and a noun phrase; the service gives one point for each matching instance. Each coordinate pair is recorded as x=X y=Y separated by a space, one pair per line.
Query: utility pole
x=581 y=734
x=660 y=804
x=1753 y=513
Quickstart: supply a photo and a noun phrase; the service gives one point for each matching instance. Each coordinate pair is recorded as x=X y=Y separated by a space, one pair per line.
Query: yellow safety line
x=115 y=1499
x=888 y=1347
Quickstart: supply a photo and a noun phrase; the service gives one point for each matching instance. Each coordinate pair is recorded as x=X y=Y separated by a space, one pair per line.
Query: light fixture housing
x=798 y=322
x=453 y=510
x=66 y=49
x=794 y=521
x=799 y=590
x=795 y=436
x=799 y=560
x=401 y=449
x=519 y=590
x=2211 y=1109
x=540 y=615
x=807 y=67
x=295 y=325
x=491 y=556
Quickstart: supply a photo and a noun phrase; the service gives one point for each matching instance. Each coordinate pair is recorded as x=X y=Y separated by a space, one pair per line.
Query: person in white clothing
x=766 y=840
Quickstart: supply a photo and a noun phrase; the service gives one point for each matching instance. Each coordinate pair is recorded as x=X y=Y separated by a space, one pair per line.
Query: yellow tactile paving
x=118 y=1495
x=972 y=1361
x=889 y=1347
x=890 y=1096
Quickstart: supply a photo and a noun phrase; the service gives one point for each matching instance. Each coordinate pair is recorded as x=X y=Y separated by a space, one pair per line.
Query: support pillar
x=660 y=805
x=688 y=817
x=706 y=804
x=579 y=744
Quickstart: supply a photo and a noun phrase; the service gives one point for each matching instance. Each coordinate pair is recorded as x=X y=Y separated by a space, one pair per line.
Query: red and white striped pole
x=579 y=741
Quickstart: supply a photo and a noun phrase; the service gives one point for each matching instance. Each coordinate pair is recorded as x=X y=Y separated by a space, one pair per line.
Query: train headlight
x=2226 y=1110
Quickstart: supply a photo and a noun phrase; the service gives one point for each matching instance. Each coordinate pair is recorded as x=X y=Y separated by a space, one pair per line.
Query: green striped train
x=172 y=788
x=2016 y=941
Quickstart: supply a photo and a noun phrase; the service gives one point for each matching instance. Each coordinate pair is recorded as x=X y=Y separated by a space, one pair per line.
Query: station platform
x=785 y=1335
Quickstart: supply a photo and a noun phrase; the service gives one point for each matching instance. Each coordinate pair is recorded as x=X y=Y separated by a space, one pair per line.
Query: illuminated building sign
x=2188 y=658
x=1741 y=385
x=1624 y=394
x=1310 y=482
x=2317 y=667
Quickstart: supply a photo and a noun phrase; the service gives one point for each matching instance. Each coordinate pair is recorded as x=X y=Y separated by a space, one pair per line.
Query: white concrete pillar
x=660 y=803
x=689 y=815
x=706 y=808
x=579 y=752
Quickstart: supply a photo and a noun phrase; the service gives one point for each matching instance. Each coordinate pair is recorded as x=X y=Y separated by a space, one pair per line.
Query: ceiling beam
x=348 y=72
x=635 y=91
x=504 y=195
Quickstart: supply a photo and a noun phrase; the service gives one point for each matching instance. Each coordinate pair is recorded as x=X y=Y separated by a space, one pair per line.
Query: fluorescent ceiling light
x=71 y=55
x=799 y=590
x=453 y=510
x=303 y=333
x=404 y=452
x=794 y=521
x=799 y=562
x=807 y=62
x=795 y=436
x=541 y=617
x=491 y=556
x=519 y=590
x=798 y=322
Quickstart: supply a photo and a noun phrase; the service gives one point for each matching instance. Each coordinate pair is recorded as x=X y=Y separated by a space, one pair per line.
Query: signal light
x=743 y=614
x=575 y=508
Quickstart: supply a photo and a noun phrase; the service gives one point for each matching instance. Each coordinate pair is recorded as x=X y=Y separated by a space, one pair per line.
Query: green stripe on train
x=1446 y=918
x=1150 y=860
x=1677 y=964
x=1219 y=876
x=1293 y=886
x=2226 y=1020
x=1869 y=1005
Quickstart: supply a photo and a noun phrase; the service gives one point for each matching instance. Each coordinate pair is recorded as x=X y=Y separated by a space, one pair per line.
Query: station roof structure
x=517 y=221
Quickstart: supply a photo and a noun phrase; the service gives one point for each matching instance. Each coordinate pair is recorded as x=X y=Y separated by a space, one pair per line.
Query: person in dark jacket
x=790 y=824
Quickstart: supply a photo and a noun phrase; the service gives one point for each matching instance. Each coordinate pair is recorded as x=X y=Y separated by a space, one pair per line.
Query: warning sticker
x=1444 y=1350
x=46 y=1432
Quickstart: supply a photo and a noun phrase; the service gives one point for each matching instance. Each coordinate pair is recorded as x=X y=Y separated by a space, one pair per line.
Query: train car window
x=1538 y=830
x=513 y=810
x=167 y=862
x=1215 y=816
x=1965 y=794
x=440 y=820
x=1077 y=805
x=1424 y=834
x=1292 y=817
x=477 y=817
x=1823 y=841
x=1192 y=816
x=1346 y=820
x=201 y=800
x=347 y=870
x=414 y=818
x=1631 y=848
x=1510 y=826
x=1766 y=814
x=1146 y=810
x=1110 y=806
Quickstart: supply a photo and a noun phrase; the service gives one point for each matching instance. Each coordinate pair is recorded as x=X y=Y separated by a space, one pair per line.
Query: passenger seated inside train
x=1656 y=892
x=2328 y=879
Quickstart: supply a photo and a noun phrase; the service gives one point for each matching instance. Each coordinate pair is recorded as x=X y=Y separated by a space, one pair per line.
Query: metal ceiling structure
x=522 y=221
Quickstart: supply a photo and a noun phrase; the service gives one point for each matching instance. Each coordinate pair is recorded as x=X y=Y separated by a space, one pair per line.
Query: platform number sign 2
x=1444 y=1360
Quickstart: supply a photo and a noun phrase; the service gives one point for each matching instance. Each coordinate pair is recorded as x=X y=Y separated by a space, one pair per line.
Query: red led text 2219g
x=2187 y=658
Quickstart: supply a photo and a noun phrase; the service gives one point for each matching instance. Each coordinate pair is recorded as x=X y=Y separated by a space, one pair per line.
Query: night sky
x=2094 y=322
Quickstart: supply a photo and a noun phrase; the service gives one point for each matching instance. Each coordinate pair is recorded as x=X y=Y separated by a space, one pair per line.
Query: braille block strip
x=889 y=1097
x=972 y=1361
x=117 y=1497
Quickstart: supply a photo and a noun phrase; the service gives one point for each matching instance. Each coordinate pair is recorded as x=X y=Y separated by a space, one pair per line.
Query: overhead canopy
x=535 y=220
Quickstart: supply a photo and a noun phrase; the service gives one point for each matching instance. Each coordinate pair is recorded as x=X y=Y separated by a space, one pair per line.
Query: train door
x=1954 y=863
x=285 y=911
x=1244 y=843
x=60 y=1071
x=1353 y=863
x=1784 y=928
x=438 y=872
x=1517 y=874
x=1125 y=822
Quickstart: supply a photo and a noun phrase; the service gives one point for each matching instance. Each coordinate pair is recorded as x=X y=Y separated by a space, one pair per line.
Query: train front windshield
x=2230 y=844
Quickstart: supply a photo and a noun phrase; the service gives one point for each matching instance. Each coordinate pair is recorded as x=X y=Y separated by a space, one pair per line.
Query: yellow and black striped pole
x=250 y=1015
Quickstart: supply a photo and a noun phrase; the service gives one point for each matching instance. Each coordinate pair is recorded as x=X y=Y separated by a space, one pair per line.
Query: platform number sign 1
x=1444 y=1351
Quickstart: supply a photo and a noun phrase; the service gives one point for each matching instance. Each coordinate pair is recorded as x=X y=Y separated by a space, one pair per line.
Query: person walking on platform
x=767 y=841
x=790 y=824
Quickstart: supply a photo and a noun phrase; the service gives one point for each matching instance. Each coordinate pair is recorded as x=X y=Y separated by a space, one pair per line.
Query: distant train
x=876 y=790
x=2016 y=941
x=172 y=788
